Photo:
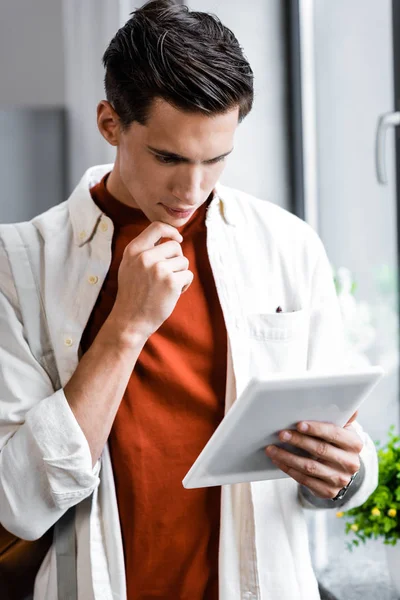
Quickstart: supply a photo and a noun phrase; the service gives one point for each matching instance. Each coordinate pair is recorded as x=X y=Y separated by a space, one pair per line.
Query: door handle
x=391 y=119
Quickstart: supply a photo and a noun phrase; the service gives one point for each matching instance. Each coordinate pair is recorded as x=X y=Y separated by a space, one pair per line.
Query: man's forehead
x=167 y=120
x=162 y=108
x=189 y=136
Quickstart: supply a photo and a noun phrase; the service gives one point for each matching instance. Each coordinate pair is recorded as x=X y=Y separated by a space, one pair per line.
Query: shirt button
x=68 y=341
x=93 y=279
x=103 y=226
x=82 y=235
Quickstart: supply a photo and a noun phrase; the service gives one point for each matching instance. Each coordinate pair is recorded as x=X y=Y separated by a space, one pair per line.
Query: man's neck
x=118 y=190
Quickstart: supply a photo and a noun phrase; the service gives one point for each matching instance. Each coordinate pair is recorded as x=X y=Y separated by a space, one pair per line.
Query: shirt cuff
x=64 y=449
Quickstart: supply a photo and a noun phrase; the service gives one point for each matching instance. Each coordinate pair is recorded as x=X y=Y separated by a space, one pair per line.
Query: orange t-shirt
x=173 y=403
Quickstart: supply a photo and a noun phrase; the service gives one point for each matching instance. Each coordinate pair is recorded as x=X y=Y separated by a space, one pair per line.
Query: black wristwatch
x=341 y=494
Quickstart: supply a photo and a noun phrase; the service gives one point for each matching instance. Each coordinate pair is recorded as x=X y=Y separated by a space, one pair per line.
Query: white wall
x=260 y=162
x=31 y=53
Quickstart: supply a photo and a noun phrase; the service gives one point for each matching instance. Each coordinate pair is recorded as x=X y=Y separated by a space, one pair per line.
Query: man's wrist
x=121 y=336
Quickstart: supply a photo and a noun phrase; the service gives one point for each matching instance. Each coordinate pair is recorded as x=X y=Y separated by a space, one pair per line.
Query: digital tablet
x=236 y=451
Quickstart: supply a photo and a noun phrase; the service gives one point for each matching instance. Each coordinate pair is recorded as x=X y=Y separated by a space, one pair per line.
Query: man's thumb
x=352 y=418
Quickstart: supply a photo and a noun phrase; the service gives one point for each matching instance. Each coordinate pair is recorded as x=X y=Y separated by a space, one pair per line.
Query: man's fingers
x=184 y=279
x=154 y=233
x=334 y=456
x=175 y=265
x=322 y=450
x=347 y=439
x=308 y=467
x=320 y=488
x=166 y=250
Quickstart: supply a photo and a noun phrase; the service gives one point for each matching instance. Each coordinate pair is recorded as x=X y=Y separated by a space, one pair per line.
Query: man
x=164 y=292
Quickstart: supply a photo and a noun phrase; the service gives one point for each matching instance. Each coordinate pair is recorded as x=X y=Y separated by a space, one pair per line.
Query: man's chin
x=174 y=221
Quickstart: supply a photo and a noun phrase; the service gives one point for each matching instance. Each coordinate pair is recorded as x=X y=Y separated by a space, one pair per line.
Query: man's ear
x=108 y=123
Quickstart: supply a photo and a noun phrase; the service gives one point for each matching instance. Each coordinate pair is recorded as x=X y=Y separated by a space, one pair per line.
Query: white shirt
x=261 y=257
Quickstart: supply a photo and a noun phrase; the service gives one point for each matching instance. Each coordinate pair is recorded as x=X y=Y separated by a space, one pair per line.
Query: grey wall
x=31 y=53
x=84 y=75
x=259 y=164
x=32 y=117
x=32 y=162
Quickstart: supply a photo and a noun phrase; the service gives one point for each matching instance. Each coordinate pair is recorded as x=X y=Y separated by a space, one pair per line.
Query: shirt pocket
x=277 y=342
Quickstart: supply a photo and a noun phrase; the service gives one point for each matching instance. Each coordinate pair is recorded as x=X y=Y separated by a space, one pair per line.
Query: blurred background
x=321 y=142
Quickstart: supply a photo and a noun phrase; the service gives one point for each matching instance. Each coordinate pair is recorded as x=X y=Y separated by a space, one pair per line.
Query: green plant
x=379 y=516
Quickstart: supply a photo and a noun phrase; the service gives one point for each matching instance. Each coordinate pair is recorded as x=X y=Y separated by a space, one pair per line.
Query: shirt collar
x=86 y=215
x=224 y=199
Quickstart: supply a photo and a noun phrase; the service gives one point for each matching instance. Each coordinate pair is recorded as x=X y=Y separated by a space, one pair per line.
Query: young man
x=164 y=292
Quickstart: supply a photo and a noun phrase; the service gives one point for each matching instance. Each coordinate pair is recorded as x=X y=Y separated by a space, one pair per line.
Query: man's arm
x=151 y=279
x=95 y=390
x=51 y=440
x=45 y=463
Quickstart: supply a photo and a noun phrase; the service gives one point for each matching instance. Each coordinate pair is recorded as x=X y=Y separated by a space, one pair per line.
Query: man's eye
x=165 y=160
x=168 y=160
x=217 y=160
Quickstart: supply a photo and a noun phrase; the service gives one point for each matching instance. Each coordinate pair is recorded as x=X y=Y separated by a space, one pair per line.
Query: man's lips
x=178 y=212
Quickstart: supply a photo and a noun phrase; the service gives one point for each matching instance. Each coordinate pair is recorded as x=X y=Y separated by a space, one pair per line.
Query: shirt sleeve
x=328 y=350
x=45 y=459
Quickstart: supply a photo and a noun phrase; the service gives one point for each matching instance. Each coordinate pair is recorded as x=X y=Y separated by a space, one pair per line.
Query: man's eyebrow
x=178 y=157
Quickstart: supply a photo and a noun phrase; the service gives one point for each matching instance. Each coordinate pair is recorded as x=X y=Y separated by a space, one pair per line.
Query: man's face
x=173 y=162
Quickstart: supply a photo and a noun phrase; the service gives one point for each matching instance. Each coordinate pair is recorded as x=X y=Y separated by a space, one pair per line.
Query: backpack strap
x=22 y=244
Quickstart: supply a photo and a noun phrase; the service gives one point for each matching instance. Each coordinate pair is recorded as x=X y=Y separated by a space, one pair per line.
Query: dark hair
x=187 y=58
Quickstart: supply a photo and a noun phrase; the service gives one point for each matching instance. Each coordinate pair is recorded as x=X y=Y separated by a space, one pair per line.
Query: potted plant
x=379 y=516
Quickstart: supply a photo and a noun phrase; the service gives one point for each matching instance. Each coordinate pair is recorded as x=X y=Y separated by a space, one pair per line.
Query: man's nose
x=188 y=188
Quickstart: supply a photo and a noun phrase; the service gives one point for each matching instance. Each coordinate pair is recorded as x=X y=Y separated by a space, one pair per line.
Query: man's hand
x=334 y=456
x=152 y=276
